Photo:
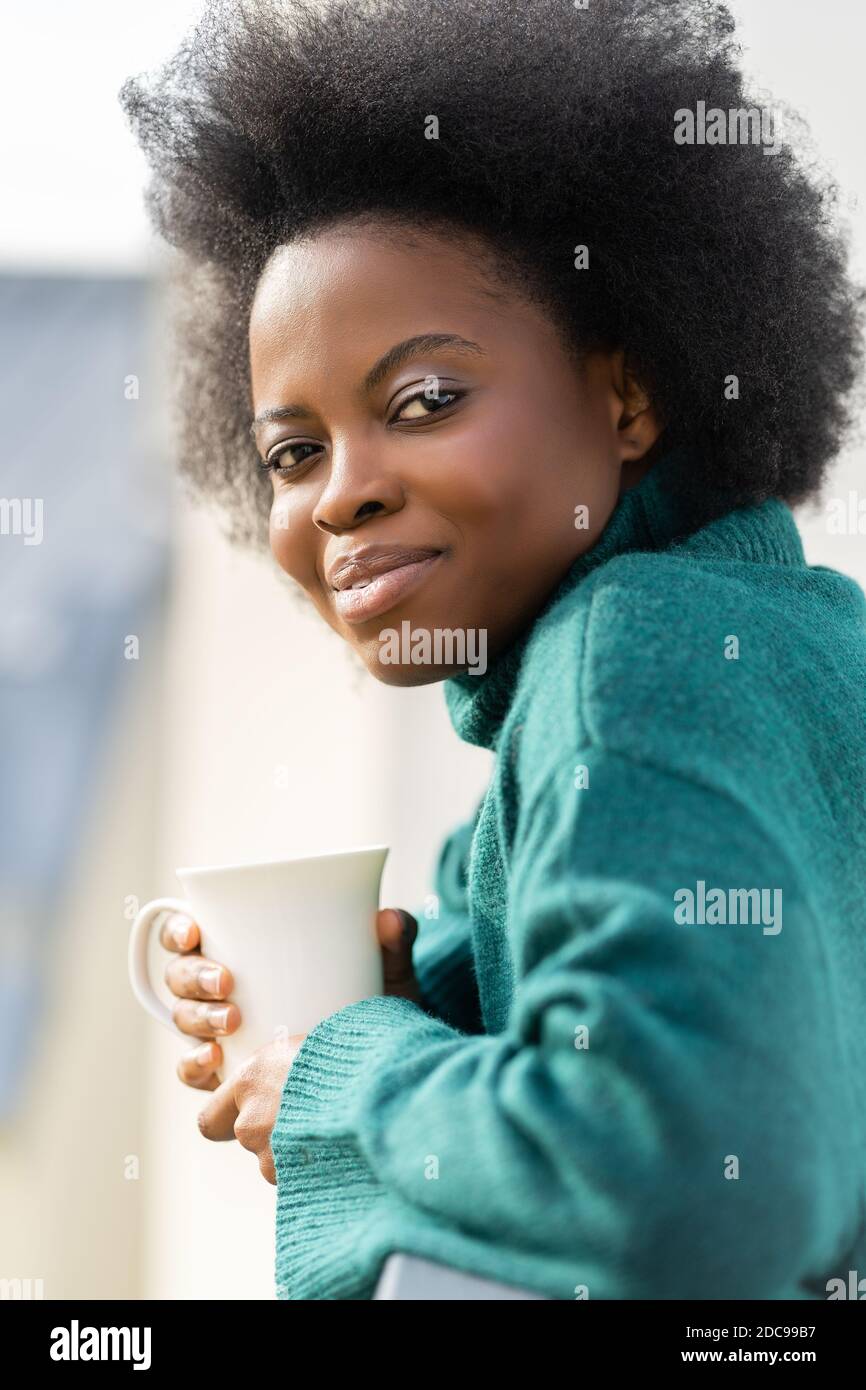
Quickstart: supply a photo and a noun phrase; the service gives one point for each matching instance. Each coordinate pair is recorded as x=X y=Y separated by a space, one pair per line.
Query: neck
x=651 y=512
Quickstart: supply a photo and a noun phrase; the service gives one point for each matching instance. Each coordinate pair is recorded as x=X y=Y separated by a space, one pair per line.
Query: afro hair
x=555 y=130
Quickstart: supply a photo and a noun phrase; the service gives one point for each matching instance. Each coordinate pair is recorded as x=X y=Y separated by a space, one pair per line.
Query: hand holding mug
x=282 y=944
x=203 y=988
x=261 y=953
x=246 y=1104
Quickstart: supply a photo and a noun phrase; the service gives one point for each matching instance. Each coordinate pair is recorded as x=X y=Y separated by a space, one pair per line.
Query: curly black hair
x=556 y=129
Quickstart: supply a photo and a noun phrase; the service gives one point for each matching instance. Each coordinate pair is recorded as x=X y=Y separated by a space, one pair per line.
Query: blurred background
x=164 y=699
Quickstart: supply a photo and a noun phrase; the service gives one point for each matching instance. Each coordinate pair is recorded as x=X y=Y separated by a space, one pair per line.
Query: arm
x=442 y=955
x=607 y=1166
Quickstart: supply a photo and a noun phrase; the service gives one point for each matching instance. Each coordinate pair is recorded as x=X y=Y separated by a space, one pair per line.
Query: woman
x=507 y=364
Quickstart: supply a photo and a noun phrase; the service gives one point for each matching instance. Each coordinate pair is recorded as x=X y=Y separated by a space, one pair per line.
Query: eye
x=422 y=405
x=274 y=462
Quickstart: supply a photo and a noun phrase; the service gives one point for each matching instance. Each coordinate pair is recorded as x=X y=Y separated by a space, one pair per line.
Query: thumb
x=397 y=930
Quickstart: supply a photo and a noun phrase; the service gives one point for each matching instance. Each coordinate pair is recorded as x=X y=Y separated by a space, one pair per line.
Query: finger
x=267 y=1166
x=196 y=977
x=198 y=1068
x=178 y=932
x=217 y=1120
x=206 y=1020
x=397 y=930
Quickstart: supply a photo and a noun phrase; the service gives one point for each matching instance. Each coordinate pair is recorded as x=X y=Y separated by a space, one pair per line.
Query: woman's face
x=430 y=445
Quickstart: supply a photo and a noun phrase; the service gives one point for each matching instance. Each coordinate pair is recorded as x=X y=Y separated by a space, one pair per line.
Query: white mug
x=298 y=935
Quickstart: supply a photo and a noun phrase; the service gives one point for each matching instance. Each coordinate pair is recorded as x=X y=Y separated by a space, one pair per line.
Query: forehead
x=351 y=292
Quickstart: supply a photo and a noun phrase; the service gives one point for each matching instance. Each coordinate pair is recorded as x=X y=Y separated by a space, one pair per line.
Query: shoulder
x=697 y=658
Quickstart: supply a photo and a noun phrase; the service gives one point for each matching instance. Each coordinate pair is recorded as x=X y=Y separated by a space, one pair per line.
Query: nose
x=358 y=487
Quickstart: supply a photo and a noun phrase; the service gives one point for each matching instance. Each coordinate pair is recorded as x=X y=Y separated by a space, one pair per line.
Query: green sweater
x=633 y=1077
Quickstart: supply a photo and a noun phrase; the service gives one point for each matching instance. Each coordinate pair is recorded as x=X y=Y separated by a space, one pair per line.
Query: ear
x=638 y=426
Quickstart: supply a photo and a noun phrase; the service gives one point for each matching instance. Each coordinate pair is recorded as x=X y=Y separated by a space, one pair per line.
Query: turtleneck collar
x=647 y=517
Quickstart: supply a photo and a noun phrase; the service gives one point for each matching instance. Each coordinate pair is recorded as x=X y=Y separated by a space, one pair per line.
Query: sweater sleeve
x=650 y=1124
x=442 y=956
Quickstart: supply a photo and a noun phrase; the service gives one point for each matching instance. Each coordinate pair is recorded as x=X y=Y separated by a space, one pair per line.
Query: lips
x=360 y=566
x=367 y=583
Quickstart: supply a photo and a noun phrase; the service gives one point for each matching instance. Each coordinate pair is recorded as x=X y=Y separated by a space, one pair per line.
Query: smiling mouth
x=371 y=595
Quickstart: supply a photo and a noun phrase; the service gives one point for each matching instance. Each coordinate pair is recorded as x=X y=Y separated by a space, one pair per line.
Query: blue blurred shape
x=84 y=502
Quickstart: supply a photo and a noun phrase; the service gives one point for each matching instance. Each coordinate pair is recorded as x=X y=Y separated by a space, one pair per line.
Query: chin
x=413 y=653
x=406 y=675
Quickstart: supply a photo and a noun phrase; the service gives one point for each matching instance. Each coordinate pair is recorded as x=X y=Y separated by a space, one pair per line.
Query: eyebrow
x=394 y=357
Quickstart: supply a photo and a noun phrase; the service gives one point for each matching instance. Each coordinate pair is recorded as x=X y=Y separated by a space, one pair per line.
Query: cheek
x=290 y=537
x=477 y=471
x=523 y=471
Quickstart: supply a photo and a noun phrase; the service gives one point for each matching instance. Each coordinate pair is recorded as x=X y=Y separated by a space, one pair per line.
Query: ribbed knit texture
x=597 y=1095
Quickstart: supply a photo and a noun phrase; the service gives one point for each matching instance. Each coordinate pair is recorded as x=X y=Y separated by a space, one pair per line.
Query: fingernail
x=204 y=1056
x=181 y=928
x=211 y=979
x=407 y=925
x=218 y=1019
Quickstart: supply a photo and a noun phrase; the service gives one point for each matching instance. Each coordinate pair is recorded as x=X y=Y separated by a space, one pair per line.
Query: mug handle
x=139 y=939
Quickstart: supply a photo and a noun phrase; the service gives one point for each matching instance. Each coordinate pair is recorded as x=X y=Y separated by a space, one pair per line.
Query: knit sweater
x=638 y=1069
